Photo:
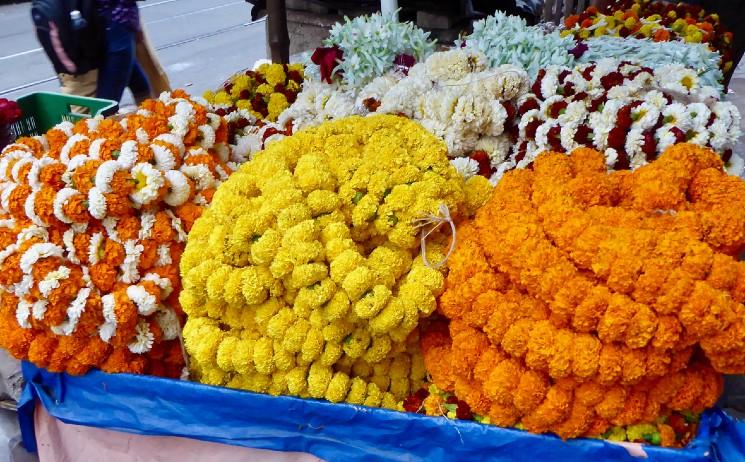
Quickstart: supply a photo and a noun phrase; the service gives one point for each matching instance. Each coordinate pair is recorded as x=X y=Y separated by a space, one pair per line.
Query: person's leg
x=116 y=69
x=139 y=84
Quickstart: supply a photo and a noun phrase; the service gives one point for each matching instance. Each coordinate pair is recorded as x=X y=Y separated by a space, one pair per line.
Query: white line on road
x=22 y=53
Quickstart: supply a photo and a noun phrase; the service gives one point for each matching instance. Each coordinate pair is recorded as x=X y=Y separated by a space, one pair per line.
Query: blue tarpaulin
x=155 y=406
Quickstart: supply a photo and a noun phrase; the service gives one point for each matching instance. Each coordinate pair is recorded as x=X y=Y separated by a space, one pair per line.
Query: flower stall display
x=259 y=94
x=630 y=113
x=366 y=47
x=579 y=300
x=509 y=40
x=303 y=277
x=658 y=21
x=9 y=112
x=94 y=221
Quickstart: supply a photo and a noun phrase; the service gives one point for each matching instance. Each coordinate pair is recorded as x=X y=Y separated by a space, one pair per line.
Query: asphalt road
x=200 y=43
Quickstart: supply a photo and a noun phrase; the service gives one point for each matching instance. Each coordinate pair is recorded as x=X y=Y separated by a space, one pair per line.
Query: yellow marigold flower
x=338 y=387
x=319 y=377
x=356 y=343
x=273 y=73
x=358 y=282
x=374 y=396
x=283 y=360
x=389 y=317
x=331 y=353
x=222 y=98
x=293 y=338
x=313 y=345
x=264 y=89
x=297 y=380
x=277 y=104
x=263 y=355
x=372 y=302
x=378 y=349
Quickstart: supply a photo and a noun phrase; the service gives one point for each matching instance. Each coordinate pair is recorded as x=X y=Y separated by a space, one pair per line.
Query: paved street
x=200 y=43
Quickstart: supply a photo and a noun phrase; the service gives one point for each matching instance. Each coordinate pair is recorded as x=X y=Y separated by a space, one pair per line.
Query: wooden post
x=277 y=36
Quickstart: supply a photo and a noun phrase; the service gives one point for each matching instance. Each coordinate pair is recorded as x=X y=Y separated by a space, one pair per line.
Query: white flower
x=645 y=116
x=76 y=162
x=52 y=280
x=147 y=220
x=179 y=188
x=656 y=99
x=699 y=114
x=678 y=79
x=64 y=155
x=68 y=239
x=735 y=165
x=611 y=157
x=206 y=136
x=96 y=203
x=105 y=174
x=32 y=232
x=93 y=122
x=574 y=114
x=177 y=226
x=676 y=115
x=16 y=170
x=634 y=142
x=132 y=251
x=567 y=134
x=148 y=182
x=23 y=313
x=166 y=288
x=5 y=195
x=246 y=146
x=700 y=138
x=60 y=199
x=74 y=312
x=145 y=301
x=39 y=309
x=142 y=136
x=128 y=154
x=164 y=158
x=550 y=82
x=526 y=119
x=164 y=255
x=108 y=328
x=665 y=138
x=223 y=151
x=168 y=323
x=94 y=248
x=214 y=120
x=465 y=166
x=30 y=208
x=109 y=224
x=9 y=223
x=23 y=288
x=6 y=252
x=65 y=127
x=37 y=252
x=497 y=148
x=144 y=339
x=33 y=174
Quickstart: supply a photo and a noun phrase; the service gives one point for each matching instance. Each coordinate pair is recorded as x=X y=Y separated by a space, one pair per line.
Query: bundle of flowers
x=673 y=431
x=509 y=40
x=630 y=113
x=660 y=21
x=9 y=112
x=260 y=94
x=367 y=47
x=654 y=54
x=93 y=222
x=579 y=300
x=302 y=277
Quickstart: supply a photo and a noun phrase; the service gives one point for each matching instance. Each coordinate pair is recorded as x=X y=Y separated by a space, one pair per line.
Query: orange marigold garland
x=93 y=222
x=578 y=300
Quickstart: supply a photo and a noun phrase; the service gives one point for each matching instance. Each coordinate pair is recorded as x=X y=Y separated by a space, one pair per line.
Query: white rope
x=433 y=222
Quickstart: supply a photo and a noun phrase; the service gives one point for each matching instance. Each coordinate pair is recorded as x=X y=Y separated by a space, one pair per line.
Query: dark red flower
x=327 y=58
x=291 y=96
x=617 y=138
x=295 y=76
x=623 y=118
x=680 y=135
x=564 y=74
x=557 y=109
x=582 y=136
x=554 y=138
x=567 y=90
x=536 y=88
x=597 y=103
x=521 y=151
x=9 y=111
x=649 y=147
x=463 y=411
x=726 y=155
x=587 y=73
x=371 y=104
x=611 y=80
x=712 y=118
x=580 y=96
x=531 y=128
x=404 y=62
x=245 y=94
x=579 y=50
x=510 y=108
x=529 y=104
x=414 y=403
x=221 y=112
x=623 y=162
x=484 y=162
x=251 y=73
x=228 y=87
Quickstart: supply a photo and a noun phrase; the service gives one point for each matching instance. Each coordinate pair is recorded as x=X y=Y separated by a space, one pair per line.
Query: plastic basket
x=43 y=110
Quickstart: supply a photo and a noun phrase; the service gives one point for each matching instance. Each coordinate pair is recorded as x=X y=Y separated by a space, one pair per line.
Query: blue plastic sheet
x=155 y=406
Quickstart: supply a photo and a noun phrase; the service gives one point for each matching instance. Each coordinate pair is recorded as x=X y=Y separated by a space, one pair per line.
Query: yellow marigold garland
x=579 y=299
x=302 y=276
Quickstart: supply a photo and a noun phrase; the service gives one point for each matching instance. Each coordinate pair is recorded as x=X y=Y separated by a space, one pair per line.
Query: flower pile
x=579 y=300
x=260 y=94
x=630 y=113
x=659 y=21
x=366 y=47
x=93 y=222
x=302 y=277
x=9 y=112
x=509 y=40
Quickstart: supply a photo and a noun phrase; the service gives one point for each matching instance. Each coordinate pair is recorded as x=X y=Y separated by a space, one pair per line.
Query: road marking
x=163 y=47
x=22 y=53
x=204 y=10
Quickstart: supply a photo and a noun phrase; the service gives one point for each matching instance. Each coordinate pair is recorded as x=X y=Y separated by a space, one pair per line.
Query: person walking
x=119 y=68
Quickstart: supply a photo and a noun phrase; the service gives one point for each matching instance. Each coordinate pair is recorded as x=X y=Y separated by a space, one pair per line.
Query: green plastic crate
x=43 y=110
